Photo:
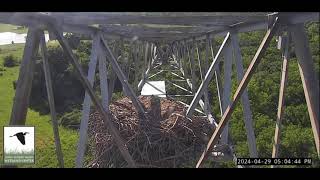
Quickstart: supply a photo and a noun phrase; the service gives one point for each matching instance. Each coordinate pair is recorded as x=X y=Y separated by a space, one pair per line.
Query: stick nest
x=172 y=141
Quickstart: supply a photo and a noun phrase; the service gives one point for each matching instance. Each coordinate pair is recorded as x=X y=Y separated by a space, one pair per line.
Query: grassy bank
x=45 y=149
x=12 y=28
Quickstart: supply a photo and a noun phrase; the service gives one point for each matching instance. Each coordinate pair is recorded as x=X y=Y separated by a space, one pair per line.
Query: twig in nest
x=189 y=130
x=182 y=116
x=147 y=138
x=173 y=124
x=134 y=136
x=146 y=166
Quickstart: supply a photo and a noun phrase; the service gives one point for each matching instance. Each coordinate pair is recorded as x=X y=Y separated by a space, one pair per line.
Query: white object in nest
x=156 y=88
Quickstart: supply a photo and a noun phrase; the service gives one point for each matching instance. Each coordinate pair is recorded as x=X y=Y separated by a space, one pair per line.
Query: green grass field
x=12 y=28
x=45 y=149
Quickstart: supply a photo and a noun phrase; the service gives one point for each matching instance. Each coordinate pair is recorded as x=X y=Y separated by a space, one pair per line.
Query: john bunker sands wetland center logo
x=18 y=145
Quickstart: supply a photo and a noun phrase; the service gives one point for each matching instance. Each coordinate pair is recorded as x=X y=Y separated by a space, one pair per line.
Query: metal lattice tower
x=180 y=32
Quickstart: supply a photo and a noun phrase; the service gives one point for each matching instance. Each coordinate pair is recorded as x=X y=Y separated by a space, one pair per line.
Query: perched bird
x=20 y=136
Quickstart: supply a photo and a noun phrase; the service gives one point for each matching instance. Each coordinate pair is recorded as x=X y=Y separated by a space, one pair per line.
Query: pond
x=9 y=37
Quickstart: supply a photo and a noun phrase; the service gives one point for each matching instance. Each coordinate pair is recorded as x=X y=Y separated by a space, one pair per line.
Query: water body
x=8 y=37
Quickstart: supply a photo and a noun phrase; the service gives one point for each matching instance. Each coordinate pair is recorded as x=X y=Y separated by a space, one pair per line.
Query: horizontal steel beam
x=157 y=18
x=79 y=22
x=142 y=29
x=291 y=18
